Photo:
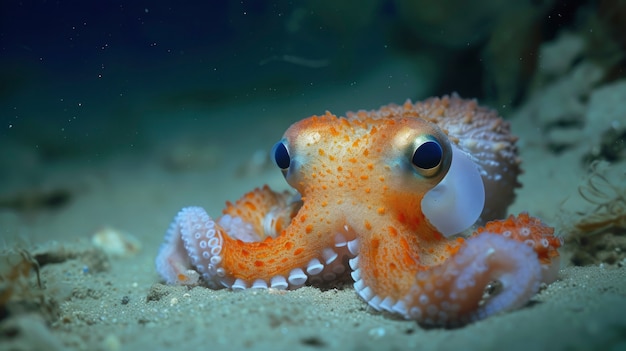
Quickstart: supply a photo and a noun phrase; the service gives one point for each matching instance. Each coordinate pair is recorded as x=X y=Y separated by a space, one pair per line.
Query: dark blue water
x=78 y=77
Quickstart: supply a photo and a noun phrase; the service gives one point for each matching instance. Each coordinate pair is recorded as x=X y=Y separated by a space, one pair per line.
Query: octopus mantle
x=384 y=198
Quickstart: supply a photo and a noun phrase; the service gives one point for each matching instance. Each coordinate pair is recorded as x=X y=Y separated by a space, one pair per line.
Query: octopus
x=390 y=199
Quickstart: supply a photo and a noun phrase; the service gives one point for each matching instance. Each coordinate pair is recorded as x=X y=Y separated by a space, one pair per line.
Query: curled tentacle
x=383 y=194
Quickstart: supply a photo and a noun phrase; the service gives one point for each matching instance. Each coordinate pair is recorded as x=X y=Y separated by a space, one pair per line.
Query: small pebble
x=116 y=242
x=111 y=343
x=377 y=333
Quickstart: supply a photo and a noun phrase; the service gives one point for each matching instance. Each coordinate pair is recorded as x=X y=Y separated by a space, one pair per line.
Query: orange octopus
x=385 y=197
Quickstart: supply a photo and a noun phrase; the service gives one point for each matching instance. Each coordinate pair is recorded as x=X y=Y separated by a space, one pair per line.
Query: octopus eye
x=281 y=155
x=427 y=156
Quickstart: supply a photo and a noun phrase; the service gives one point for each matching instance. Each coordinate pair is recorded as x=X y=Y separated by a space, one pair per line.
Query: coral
x=599 y=235
x=19 y=290
x=558 y=56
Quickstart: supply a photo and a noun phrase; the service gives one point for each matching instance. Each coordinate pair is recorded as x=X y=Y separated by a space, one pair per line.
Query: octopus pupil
x=427 y=155
x=281 y=155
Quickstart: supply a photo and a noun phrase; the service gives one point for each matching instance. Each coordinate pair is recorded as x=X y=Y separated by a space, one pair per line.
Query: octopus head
x=456 y=195
x=414 y=155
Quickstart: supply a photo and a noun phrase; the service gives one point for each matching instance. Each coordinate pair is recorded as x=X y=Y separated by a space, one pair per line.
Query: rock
x=116 y=242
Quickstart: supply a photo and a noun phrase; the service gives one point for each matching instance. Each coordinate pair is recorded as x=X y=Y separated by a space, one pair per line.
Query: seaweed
x=610 y=201
x=599 y=235
x=19 y=291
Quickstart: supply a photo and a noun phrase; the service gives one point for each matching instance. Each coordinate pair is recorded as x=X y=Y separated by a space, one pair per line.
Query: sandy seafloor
x=118 y=303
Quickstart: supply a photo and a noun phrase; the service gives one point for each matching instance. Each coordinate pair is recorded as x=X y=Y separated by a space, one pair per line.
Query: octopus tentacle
x=491 y=272
x=381 y=195
x=389 y=260
x=265 y=212
x=238 y=252
x=458 y=291
x=174 y=261
x=534 y=233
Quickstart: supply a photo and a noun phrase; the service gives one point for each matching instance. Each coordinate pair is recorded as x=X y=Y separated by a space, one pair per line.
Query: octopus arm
x=489 y=274
x=261 y=241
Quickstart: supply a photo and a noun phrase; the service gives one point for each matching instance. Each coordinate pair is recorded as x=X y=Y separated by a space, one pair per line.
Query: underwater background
x=115 y=114
x=89 y=71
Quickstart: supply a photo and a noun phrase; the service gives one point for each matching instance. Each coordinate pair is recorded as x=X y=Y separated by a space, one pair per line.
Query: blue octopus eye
x=427 y=156
x=281 y=155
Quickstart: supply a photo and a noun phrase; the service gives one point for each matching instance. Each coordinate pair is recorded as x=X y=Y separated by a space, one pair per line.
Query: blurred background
x=116 y=114
x=86 y=81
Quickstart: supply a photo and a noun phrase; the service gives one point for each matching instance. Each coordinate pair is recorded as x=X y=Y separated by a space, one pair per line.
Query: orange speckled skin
x=349 y=172
x=354 y=172
x=357 y=183
x=537 y=234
